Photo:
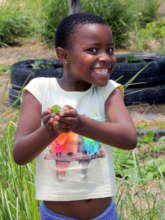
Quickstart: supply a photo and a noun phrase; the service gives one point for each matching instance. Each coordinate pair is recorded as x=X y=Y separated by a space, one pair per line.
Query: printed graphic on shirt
x=69 y=147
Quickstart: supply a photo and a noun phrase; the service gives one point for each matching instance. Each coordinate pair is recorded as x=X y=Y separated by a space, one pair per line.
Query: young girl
x=75 y=177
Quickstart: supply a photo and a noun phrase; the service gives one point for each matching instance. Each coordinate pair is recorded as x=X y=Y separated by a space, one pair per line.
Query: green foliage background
x=39 y=18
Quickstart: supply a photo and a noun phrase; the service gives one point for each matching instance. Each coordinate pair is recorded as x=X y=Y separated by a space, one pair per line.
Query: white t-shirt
x=73 y=167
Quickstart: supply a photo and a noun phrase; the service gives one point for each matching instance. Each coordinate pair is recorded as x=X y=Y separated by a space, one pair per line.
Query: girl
x=75 y=177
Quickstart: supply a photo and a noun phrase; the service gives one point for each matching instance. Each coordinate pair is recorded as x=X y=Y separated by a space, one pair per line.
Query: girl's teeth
x=102 y=71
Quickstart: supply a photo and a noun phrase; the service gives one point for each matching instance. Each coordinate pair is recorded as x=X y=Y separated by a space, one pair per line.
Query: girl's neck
x=72 y=85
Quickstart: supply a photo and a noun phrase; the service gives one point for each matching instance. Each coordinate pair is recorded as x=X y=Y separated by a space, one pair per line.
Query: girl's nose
x=104 y=57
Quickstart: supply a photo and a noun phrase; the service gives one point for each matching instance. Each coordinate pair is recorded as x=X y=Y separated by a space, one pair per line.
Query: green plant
x=119 y=15
x=53 y=12
x=131 y=58
x=14 y=24
x=39 y=64
x=139 y=203
x=152 y=32
x=16 y=188
x=147 y=137
x=4 y=68
x=148 y=11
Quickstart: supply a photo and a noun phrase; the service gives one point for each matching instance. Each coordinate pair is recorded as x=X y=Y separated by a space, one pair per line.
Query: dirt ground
x=32 y=49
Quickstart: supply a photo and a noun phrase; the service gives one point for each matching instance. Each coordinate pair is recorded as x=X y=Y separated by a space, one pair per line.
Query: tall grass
x=137 y=198
x=17 y=190
x=139 y=202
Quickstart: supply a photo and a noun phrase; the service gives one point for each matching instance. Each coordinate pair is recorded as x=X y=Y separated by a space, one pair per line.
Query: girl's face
x=90 y=55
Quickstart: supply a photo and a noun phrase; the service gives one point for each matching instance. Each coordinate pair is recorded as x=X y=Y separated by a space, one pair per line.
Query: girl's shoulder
x=43 y=83
x=109 y=88
x=111 y=85
x=42 y=80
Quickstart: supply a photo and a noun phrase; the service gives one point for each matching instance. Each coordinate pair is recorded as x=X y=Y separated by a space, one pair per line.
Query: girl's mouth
x=101 y=71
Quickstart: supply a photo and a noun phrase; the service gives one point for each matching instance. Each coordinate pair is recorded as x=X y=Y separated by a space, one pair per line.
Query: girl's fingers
x=46 y=118
x=67 y=107
x=68 y=120
x=68 y=113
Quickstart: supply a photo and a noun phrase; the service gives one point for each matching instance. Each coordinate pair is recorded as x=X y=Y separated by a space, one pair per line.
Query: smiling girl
x=75 y=177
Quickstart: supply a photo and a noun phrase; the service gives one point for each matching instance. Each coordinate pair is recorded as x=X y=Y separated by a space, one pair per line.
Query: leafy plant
x=148 y=11
x=147 y=138
x=132 y=58
x=13 y=25
x=152 y=32
x=4 y=68
x=54 y=13
x=154 y=168
x=39 y=64
x=119 y=15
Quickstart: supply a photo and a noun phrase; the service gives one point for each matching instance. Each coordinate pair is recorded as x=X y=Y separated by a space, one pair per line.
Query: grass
x=17 y=191
x=150 y=123
x=140 y=195
x=4 y=68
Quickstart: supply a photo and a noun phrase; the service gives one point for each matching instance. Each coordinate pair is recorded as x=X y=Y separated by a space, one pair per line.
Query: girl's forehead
x=79 y=28
x=83 y=32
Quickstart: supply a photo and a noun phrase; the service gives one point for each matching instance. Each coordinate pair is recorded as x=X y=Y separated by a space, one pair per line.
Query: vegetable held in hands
x=63 y=119
x=56 y=109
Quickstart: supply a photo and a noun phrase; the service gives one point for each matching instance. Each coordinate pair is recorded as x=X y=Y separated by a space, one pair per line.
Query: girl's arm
x=31 y=138
x=118 y=131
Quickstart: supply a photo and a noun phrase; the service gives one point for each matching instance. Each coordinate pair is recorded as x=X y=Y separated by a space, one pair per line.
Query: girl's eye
x=110 y=50
x=92 y=50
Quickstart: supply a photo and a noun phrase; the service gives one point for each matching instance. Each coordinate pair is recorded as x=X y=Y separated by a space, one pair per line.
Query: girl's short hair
x=66 y=27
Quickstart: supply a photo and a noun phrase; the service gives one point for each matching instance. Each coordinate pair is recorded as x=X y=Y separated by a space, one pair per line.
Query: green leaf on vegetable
x=56 y=109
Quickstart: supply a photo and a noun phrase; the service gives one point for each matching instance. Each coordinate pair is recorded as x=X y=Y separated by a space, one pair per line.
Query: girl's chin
x=101 y=83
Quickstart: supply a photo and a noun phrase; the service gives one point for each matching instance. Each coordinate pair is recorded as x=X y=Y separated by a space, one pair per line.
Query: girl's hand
x=50 y=120
x=68 y=119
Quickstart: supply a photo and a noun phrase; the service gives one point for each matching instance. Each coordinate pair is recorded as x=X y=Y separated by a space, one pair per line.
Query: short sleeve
x=110 y=87
x=36 y=88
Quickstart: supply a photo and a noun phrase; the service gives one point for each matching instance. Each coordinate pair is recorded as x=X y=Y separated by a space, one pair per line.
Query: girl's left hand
x=68 y=119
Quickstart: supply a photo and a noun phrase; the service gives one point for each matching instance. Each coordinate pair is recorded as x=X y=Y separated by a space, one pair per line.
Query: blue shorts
x=110 y=213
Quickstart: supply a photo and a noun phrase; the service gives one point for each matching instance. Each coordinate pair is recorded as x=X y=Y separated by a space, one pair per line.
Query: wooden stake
x=74 y=6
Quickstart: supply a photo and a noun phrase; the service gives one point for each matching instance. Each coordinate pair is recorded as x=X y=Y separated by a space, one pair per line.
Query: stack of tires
x=143 y=76
x=24 y=71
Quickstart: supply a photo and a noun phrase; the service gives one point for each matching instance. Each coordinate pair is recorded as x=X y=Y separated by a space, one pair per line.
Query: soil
x=30 y=49
x=33 y=49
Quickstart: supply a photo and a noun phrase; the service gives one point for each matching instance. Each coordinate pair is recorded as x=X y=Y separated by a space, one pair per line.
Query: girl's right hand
x=51 y=120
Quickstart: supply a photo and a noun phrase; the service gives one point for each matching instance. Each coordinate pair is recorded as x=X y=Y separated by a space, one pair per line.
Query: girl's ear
x=62 y=55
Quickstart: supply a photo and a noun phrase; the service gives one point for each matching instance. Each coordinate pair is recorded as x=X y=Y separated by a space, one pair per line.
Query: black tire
x=152 y=75
x=22 y=72
x=150 y=95
x=14 y=97
x=138 y=57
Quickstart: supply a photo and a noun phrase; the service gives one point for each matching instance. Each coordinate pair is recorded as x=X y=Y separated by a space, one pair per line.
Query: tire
x=150 y=95
x=138 y=57
x=14 y=97
x=22 y=72
x=152 y=75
